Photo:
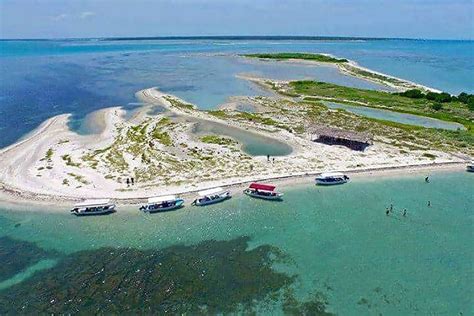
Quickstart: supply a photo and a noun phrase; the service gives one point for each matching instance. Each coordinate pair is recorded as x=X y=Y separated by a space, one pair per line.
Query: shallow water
x=338 y=240
x=403 y=118
x=251 y=143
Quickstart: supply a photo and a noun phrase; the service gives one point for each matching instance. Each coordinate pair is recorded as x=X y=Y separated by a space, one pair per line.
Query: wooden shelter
x=334 y=136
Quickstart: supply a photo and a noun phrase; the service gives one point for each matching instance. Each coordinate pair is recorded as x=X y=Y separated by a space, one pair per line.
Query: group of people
x=130 y=181
x=389 y=210
x=272 y=159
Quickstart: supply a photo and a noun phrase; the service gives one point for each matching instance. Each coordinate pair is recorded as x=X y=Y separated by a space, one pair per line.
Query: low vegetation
x=179 y=104
x=442 y=97
x=219 y=140
x=454 y=111
x=303 y=56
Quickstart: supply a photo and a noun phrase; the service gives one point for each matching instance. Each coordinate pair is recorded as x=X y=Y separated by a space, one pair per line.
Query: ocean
x=320 y=251
x=330 y=244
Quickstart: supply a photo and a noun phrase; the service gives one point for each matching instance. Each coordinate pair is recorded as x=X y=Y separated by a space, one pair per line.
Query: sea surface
x=321 y=250
x=332 y=246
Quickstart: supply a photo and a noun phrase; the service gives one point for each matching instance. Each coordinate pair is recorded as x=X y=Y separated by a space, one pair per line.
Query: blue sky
x=446 y=19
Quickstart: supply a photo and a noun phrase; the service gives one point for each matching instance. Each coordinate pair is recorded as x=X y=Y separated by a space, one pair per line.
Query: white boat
x=211 y=196
x=162 y=204
x=263 y=191
x=93 y=207
x=470 y=167
x=331 y=178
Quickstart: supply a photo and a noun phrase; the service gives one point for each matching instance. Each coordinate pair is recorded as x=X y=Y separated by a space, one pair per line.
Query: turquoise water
x=251 y=143
x=337 y=241
x=403 y=118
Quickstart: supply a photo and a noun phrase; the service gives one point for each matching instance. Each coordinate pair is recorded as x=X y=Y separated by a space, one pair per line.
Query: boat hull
x=177 y=205
x=321 y=182
x=110 y=210
x=201 y=202
x=470 y=168
x=277 y=197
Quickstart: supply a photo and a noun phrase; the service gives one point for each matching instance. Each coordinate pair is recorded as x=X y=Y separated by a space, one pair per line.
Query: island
x=290 y=136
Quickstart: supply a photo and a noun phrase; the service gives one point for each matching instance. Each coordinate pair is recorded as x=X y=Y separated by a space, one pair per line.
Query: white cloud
x=60 y=17
x=86 y=14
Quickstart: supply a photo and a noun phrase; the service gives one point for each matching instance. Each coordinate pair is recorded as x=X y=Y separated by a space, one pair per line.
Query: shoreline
x=345 y=69
x=21 y=182
x=18 y=199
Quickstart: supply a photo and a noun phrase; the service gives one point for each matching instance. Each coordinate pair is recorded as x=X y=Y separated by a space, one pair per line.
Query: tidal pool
x=403 y=118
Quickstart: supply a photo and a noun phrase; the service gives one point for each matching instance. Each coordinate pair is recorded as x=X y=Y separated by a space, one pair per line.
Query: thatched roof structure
x=335 y=136
x=340 y=133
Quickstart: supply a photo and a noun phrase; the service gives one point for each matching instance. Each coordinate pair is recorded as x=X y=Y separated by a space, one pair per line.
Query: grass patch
x=213 y=139
x=303 y=56
x=78 y=178
x=69 y=162
x=452 y=111
x=179 y=104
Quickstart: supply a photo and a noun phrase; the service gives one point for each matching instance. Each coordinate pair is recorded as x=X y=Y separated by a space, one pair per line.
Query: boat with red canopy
x=263 y=191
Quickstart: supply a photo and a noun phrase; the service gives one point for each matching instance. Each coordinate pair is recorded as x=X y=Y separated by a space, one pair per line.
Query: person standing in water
x=429 y=203
x=405 y=212
x=427 y=179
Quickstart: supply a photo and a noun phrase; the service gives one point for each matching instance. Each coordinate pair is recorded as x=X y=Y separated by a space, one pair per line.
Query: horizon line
x=234 y=37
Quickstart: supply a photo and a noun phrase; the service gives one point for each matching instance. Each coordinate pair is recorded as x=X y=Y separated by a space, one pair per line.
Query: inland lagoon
x=330 y=250
x=403 y=118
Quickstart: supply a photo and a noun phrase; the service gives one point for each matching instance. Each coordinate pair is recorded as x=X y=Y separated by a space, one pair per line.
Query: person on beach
x=405 y=212
x=273 y=159
x=133 y=181
x=128 y=182
x=268 y=158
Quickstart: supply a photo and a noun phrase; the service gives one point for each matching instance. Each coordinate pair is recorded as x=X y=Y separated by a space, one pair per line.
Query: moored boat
x=162 y=204
x=93 y=207
x=211 y=196
x=263 y=191
x=331 y=178
x=470 y=167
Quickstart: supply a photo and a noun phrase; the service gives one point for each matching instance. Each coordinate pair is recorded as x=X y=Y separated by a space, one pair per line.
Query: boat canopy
x=264 y=187
x=159 y=199
x=97 y=202
x=210 y=191
x=331 y=175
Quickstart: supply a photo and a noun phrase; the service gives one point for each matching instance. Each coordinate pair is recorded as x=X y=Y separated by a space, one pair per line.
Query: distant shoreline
x=238 y=37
